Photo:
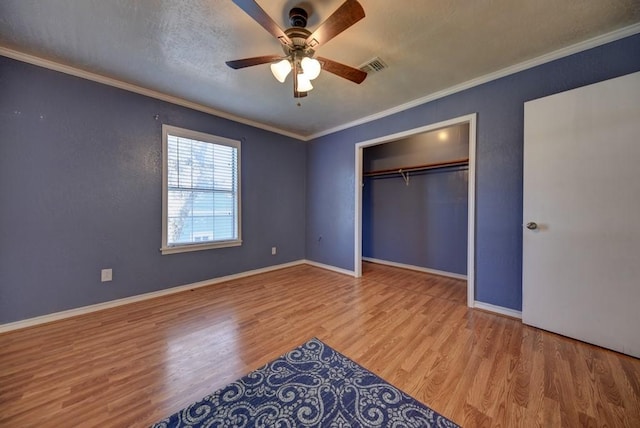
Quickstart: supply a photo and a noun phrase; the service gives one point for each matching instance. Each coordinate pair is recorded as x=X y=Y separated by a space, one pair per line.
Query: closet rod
x=457 y=162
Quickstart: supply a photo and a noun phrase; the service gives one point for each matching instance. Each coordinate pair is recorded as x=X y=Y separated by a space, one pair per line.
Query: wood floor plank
x=133 y=365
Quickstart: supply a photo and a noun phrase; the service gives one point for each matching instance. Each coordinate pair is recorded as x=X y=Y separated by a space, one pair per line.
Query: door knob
x=532 y=225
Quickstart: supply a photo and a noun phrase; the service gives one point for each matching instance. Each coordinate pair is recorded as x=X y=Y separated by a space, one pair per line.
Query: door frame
x=471 y=119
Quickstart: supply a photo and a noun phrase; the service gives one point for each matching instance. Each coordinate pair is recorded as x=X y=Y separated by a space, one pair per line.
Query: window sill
x=199 y=247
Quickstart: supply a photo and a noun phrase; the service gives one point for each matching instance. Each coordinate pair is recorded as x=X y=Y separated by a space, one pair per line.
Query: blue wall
x=423 y=224
x=81 y=188
x=80 y=185
x=499 y=104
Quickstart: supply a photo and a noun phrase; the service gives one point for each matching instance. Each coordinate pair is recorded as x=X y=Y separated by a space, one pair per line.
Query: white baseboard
x=416 y=268
x=478 y=305
x=498 y=309
x=137 y=298
x=30 y=322
x=331 y=268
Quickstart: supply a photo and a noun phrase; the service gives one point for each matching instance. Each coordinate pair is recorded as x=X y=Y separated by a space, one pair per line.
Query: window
x=201 y=191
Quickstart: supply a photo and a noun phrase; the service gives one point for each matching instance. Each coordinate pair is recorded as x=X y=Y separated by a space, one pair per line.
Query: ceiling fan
x=299 y=45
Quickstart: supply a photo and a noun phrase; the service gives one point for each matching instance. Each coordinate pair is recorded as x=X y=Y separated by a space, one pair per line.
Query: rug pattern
x=310 y=386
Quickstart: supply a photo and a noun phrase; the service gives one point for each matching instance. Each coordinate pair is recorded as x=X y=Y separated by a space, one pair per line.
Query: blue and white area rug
x=310 y=386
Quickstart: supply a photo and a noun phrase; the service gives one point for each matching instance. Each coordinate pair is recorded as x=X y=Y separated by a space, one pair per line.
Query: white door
x=581 y=264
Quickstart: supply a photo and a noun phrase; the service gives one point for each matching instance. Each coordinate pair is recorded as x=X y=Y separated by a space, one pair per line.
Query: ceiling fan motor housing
x=298 y=17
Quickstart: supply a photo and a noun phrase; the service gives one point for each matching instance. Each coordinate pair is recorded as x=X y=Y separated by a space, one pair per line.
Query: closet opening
x=415 y=198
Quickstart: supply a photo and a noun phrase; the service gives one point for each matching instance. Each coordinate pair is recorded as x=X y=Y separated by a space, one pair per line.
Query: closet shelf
x=457 y=162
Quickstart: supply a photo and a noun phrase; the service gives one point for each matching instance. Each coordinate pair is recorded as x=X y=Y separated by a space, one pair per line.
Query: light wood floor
x=135 y=364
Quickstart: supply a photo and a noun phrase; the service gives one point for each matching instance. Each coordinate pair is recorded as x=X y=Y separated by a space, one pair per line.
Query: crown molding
x=73 y=71
x=552 y=56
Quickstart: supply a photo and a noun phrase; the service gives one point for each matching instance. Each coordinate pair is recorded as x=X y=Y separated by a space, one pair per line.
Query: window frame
x=206 y=138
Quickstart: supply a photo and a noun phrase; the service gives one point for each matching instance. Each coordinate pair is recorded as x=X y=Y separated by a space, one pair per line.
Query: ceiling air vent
x=374 y=65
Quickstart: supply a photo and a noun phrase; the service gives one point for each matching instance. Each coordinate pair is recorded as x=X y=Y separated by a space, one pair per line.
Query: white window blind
x=201 y=206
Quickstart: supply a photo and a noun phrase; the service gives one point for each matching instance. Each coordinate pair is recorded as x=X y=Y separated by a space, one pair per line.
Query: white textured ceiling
x=179 y=48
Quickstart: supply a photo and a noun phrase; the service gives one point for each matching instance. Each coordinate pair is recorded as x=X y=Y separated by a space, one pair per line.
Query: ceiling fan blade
x=252 y=9
x=348 y=14
x=250 y=62
x=344 y=71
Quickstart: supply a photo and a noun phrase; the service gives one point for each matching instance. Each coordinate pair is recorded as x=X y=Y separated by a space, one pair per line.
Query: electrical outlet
x=274 y=250
x=106 y=275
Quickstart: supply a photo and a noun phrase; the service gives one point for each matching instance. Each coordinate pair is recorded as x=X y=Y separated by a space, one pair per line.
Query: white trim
x=211 y=139
x=357 y=244
x=471 y=212
x=329 y=267
x=73 y=71
x=187 y=248
x=471 y=119
x=416 y=268
x=543 y=59
x=30 y=322
x=498 y=309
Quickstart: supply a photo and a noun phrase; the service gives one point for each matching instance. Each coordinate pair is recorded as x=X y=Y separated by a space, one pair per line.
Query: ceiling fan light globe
x=281 y=70
x=304 y=85
x=311 y=67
